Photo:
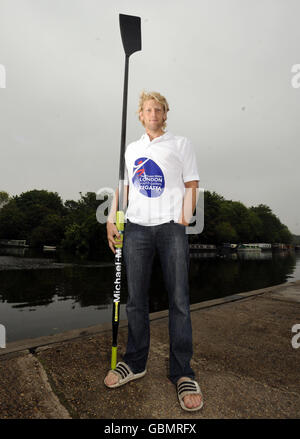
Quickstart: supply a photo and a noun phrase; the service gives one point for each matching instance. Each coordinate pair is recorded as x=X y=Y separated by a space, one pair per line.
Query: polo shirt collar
x=146 y=140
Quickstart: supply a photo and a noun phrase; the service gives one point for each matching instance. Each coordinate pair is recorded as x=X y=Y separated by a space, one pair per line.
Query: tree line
x=42 y=218
x=231 y=221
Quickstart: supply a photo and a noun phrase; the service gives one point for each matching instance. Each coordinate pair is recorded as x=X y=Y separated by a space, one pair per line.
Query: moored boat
x=48 y=248
x=248 y=248
x=13 y=243
x=197 y=247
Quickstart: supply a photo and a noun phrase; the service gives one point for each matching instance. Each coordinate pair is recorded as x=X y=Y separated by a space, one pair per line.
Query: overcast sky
x=224 y=66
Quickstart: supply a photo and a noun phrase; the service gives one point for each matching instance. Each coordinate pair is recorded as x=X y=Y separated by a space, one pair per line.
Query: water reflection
x=238 y=272
x=42 y=301
x=14 y=251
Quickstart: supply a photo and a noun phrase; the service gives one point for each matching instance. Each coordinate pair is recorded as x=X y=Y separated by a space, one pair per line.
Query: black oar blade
x=130 y=27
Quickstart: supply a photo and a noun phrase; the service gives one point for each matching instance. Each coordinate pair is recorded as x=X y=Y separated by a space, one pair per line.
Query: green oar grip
x=113 y=357
x=120 y=227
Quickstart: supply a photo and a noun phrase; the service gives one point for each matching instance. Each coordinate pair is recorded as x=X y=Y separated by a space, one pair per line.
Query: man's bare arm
x=189 y=202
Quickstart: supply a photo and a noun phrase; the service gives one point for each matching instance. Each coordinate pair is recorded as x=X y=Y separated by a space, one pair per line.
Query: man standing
x=161 y=183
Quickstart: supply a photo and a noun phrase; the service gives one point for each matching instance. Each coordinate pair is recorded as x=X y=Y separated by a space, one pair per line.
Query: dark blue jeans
x=171 y=243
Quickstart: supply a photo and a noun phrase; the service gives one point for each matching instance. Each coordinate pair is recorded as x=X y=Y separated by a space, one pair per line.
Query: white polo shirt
x=156 y=172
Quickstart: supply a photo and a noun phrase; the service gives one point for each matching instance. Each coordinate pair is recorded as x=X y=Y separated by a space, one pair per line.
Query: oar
x=130 y=27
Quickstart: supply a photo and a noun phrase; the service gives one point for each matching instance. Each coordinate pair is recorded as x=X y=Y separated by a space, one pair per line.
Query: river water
x=44 y=294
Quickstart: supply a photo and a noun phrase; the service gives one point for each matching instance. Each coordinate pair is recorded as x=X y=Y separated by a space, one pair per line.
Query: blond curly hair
x=146 y=96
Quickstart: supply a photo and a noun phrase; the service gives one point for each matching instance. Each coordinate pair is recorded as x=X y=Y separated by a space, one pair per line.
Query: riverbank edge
x=33 y=345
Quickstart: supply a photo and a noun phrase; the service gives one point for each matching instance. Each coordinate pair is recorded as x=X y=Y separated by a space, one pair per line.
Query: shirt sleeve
x=126 y=176
x=189 y=168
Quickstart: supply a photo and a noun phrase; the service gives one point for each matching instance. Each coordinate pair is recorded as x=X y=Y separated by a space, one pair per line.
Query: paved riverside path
x=243 y=359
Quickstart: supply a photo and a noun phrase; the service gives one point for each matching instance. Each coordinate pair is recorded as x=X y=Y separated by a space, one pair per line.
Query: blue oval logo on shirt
x=148 y=178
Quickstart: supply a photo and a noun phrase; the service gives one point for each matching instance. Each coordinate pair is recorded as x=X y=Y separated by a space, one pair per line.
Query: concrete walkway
x=243 y=358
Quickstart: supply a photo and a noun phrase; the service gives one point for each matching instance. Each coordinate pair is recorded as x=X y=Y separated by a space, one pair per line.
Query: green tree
x=28 y=216
x=87 y=238
x=50 y=232
x=285 y=235
x=11 y=222
x=212 y=208
x=77 y=211
x=232 y=221
x=4 y=198
x=242 y=220
x=225 y=232
x=37 y=205
x=272 y=229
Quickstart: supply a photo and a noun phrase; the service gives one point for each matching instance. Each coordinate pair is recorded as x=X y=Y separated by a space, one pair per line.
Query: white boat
x=202 y=247
x=249 y=248
x=13 y=243
x=49 y=248
x=264 y=246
